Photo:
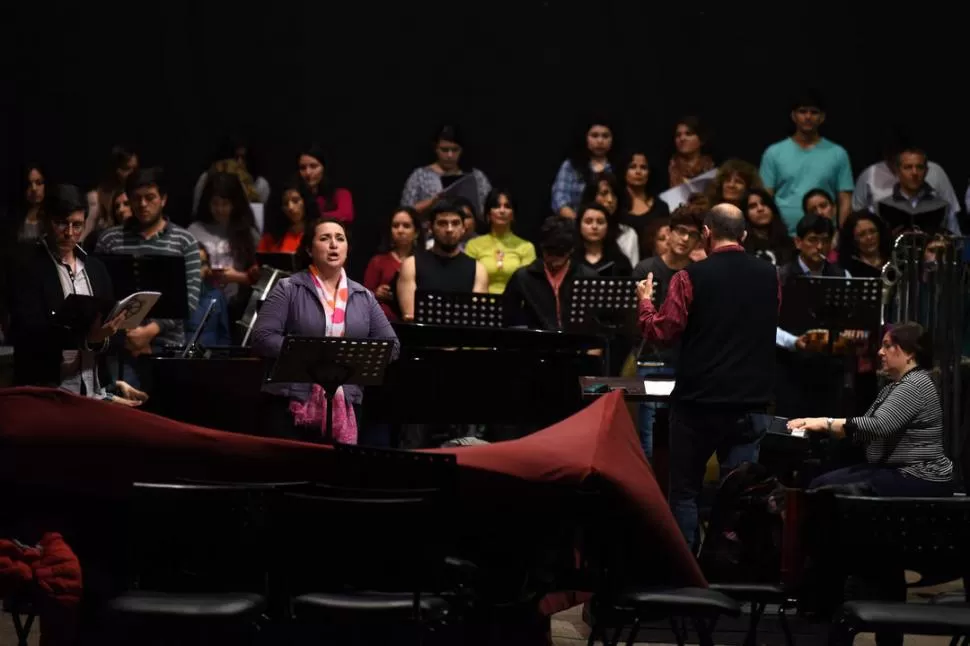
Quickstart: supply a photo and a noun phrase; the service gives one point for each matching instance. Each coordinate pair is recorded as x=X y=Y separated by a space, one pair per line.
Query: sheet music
x=658 y=387
x=679 y=194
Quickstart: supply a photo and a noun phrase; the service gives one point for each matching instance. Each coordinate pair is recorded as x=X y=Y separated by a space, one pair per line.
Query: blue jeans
x=648 y=410
x=697 y=432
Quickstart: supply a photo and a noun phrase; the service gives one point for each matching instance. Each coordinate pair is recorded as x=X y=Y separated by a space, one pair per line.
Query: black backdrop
x=370 y=81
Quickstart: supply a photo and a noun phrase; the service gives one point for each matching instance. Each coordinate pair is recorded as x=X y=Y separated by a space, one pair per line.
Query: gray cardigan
x=293 y=308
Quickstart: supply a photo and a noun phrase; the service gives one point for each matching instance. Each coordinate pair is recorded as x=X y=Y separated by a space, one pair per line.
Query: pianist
x=902 y=430
x=320 y=301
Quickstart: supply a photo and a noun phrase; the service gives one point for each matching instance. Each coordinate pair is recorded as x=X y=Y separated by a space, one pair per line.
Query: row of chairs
x=859 y=538
x=364 y=556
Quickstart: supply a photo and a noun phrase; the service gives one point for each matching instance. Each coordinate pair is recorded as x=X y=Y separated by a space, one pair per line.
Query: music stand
x=831 y=303
x=603 y=305
x=151 y=273
x=458 y=308
x=282 y=261
x=606 y=306
x=268 y=277
x=332 y=362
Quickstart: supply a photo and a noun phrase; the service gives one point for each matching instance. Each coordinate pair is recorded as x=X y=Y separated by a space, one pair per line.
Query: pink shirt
x=344 y=206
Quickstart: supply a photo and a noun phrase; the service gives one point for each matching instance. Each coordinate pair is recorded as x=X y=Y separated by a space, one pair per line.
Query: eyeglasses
x=684 y=232
x=816 y=241
x=61 y=225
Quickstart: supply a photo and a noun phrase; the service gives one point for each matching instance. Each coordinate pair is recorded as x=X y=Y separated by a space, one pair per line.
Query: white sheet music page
x=658 y=387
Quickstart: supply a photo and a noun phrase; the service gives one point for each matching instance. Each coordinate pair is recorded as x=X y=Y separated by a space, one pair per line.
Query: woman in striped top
x=902 y=430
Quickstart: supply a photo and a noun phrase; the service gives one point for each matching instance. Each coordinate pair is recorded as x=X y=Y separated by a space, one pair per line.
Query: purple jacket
x=293 y=308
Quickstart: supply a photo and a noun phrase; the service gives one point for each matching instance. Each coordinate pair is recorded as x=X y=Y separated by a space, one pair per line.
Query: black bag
x=744 y=534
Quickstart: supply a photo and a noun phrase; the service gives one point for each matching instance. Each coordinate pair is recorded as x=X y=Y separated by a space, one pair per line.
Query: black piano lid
x=421 y=335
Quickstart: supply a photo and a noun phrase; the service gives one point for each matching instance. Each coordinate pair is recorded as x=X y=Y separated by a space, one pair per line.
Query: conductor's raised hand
x=645 y=288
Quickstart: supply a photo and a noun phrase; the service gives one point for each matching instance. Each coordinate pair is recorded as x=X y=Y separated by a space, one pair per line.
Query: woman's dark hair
x=579 y=152
x=326 y=189
x=914 y=339
x=592 y=189
x=813 y=193
x=693 y=124
x=624 y=163
x=491 y=202
x=304 y=257
x=777 y=231
x=847 y=245
x=386 y=245
x=447 y=132
x=241 y=220
x=111 y=217
x=609 y=242
x=277 y=224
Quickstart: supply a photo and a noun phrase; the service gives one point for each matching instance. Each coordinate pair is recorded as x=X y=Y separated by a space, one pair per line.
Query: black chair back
x=379 y=524
x=199 y=537
x=927 y=535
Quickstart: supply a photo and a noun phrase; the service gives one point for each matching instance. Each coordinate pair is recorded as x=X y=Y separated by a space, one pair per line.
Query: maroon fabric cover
x=56 y=439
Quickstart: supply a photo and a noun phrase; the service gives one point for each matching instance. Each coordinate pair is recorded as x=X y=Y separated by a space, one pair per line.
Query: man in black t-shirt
x=685 y=235
x=445 y=267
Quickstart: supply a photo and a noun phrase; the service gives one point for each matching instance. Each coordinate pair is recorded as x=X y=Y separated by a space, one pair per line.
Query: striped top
x=173 y=240
x=904 y=428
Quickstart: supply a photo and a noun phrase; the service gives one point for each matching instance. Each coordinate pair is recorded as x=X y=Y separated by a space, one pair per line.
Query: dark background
x=371 y=81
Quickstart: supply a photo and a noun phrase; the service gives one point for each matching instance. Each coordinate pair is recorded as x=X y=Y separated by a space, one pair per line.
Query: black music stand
x=458 y=308
x=152 y=273
x=282 y=261
x=831 y=303
x=606 y=306
x=332 y=362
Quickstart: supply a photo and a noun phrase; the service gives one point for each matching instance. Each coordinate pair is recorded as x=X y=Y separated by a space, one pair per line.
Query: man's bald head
x=726 y=223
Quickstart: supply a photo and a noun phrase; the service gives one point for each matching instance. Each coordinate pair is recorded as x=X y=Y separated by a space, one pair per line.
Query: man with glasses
x=723 y=311
x=652 y=361
x=48 y=353
x=808 y=379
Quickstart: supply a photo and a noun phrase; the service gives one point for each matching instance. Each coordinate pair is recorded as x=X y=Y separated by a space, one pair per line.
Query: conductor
x=724 y=310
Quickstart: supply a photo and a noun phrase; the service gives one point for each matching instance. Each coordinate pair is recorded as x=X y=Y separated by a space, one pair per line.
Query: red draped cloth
x=58 y=440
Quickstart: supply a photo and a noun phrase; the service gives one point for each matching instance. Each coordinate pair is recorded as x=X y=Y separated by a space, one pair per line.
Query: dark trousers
x=884 y=480
x=696 y=433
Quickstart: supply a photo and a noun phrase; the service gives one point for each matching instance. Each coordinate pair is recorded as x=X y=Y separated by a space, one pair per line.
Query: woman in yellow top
x=501 y=251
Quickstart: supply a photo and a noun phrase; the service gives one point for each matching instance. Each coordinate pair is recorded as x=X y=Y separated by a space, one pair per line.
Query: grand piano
x=444 y=375
x=478 y=375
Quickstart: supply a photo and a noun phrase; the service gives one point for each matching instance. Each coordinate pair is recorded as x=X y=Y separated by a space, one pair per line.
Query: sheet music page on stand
x=658 y=387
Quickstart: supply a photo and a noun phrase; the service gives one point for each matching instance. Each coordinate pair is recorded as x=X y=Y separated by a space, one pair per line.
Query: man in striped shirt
x=148 y=232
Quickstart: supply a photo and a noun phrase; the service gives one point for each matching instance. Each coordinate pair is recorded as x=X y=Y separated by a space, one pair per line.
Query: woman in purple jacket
x=320 y=301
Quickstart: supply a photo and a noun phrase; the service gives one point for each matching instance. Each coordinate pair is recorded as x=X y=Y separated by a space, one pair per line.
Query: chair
x=378 y=555
x=618 y=602
x=22 y=614
x=927 y=535
x=199 y=562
